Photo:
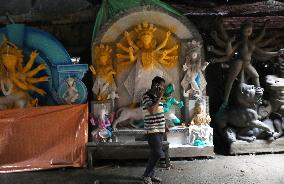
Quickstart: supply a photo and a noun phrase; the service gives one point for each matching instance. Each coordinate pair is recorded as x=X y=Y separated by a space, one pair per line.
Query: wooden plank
x=117 y=150
x=191 y=151
x=123 y=144
x=121 y=153
x=258 y=146
x=143 y=152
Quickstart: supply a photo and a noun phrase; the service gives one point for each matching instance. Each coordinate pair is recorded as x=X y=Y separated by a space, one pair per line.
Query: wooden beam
x=81 y=16
x=244 y=9
x=258 y=22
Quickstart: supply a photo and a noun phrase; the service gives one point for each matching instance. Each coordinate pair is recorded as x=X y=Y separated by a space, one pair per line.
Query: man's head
x=158 y=85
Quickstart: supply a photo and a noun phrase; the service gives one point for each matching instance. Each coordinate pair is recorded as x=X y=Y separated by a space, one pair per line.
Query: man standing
x=154 y=126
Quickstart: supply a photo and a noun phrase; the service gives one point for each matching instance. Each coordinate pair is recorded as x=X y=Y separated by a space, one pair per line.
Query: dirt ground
x=247 y=169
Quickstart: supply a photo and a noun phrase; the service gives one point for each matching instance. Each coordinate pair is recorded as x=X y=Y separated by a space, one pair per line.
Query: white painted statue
x=193 y=82
x=71 y=94
x=275 y=81
x=276 y=91
x=128 y=113
x=200 y=132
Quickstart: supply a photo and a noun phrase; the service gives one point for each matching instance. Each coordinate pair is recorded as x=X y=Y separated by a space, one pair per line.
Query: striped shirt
x=155 y=122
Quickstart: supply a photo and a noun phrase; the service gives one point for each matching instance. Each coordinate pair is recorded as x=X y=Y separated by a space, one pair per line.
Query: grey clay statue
x=243 y=119
x=244 y=49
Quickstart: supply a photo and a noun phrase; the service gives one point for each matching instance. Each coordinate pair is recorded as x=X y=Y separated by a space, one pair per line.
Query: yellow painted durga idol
x=103 y=72
x=17 y=78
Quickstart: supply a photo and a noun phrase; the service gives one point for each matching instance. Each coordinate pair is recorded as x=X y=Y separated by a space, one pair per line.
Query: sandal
x=156 y=179
x=147 y=180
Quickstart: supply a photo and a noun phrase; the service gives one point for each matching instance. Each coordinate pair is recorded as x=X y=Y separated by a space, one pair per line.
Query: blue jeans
x=155 y=142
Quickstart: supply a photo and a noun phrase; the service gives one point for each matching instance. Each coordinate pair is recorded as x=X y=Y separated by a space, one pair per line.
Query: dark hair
x=157 y=80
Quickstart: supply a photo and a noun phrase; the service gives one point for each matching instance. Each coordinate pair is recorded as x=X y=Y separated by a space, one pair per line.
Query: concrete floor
x=259 y=169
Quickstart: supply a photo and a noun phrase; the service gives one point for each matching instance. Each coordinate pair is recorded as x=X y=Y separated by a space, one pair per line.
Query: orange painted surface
x=43 y=137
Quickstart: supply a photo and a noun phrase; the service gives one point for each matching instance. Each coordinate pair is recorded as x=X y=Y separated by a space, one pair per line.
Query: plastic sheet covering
x=110 y=8
x=43 y=138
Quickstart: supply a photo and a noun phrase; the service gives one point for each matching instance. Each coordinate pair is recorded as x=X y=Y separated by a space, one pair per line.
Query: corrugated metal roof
x=85 y=10
x=52 y=7
x=264 y=7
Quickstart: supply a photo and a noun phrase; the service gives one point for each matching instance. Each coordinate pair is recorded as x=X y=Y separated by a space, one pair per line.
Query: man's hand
x=167 y=127
x=154 y=106
x=159 y=93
